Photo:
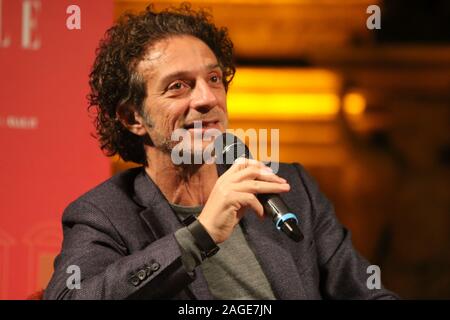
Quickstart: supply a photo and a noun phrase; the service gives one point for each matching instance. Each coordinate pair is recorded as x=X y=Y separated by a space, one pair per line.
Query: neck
x=187 y=185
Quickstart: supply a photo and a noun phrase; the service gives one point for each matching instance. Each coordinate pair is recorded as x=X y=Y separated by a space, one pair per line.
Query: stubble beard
x=166 y=145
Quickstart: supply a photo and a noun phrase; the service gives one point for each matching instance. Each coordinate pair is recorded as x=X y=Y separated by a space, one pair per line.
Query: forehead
x=175 y=54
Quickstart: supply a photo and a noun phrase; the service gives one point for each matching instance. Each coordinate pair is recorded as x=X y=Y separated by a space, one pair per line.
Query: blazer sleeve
x=107 y=270
x=343 y=270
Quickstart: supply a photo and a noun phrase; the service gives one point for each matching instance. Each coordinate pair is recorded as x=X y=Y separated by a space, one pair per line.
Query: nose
x=203 y=97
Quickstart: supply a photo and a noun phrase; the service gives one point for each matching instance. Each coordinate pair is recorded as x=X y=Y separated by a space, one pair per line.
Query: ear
x=131 y=120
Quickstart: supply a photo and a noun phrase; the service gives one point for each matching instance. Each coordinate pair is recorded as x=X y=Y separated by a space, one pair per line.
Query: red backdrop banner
x=48 y=156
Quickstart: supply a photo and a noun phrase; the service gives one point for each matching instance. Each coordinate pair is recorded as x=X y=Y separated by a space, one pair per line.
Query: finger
x=255 y=186
x=242 y=163
x=249 y=200
x=259 y=173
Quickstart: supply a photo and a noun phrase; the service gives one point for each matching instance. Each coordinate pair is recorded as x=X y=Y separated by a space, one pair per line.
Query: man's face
x=184 y=84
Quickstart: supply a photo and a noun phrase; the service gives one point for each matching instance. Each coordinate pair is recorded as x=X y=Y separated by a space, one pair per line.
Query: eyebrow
x=183 y=74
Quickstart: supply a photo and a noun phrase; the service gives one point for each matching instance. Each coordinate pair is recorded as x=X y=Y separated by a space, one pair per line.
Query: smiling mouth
x=201 y=124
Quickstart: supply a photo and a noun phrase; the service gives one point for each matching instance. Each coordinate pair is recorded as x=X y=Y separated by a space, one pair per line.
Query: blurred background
x=367 y=112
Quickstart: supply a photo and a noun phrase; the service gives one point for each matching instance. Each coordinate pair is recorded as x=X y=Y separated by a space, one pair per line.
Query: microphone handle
x=283 y=219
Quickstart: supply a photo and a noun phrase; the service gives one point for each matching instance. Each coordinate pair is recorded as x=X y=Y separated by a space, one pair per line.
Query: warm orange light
x=276 y=79
x=282 y=105
x=354 y=103
x=286 y=93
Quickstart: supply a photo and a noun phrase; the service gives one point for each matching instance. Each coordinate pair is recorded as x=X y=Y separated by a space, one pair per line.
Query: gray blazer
x=121 y=236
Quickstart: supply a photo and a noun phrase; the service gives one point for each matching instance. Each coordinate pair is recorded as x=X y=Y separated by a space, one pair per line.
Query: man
x=134 y=236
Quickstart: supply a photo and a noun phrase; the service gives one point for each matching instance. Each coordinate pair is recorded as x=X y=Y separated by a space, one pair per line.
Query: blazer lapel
x=271 y=251
x=271 y=248
x=161 y=220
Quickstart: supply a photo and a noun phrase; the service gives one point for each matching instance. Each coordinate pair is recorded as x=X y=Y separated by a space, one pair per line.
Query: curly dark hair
x=115 y=81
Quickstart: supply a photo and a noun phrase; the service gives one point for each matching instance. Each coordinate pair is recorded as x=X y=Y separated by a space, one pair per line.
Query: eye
x=176 y=86
x=215 y=78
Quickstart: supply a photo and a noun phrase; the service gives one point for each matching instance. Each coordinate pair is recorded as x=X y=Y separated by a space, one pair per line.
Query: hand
x=233 y=192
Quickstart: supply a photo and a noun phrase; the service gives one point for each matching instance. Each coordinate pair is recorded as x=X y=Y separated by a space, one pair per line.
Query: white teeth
x=202 y=125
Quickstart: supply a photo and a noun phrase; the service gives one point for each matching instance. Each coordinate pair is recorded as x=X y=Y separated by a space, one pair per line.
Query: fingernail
x=267 y=170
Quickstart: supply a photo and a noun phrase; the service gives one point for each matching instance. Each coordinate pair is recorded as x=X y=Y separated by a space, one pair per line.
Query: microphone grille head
x=228 y=148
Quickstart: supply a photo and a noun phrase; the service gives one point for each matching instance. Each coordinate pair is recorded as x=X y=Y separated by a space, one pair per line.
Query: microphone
x=228 y=148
